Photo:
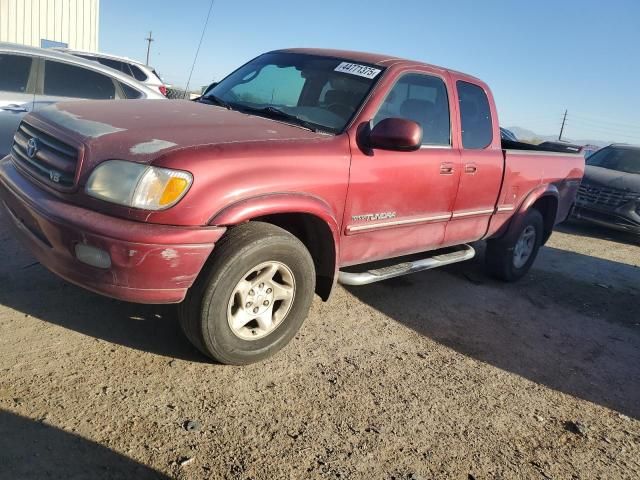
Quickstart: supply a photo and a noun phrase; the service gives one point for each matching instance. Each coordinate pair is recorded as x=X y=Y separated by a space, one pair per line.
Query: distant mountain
x=524 y=134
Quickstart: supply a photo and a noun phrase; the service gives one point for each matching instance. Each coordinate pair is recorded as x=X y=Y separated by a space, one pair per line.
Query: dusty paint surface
x=75 y=123
x=152 y=146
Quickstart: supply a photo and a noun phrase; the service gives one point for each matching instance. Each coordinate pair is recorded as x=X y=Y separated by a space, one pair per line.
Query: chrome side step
x=465 y=252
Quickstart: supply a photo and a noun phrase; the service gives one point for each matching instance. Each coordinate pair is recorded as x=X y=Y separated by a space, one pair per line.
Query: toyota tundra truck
x=300 y=169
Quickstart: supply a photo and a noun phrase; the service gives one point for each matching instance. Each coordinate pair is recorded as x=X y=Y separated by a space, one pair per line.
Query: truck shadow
x=572 y=324
x=33 y=450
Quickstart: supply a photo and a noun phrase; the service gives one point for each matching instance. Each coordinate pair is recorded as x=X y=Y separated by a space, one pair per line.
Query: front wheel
x=253 y=296
x=511 y=259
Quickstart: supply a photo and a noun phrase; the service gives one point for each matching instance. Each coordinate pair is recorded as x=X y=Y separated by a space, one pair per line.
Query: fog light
x=93 y=256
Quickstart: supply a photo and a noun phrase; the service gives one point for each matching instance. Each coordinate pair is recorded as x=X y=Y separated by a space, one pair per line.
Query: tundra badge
x=369 y=217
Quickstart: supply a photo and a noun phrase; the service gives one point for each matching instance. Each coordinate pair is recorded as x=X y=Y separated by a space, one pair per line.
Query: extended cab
x=301 y=168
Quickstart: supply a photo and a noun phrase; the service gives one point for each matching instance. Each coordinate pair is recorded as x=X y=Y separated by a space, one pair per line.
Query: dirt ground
x=443 y=374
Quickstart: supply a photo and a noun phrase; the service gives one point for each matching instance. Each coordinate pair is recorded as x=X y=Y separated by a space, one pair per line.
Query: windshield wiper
x=217 y=101
x=273 y=112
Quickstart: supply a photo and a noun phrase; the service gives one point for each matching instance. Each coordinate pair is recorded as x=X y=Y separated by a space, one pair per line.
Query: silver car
x=32 y=78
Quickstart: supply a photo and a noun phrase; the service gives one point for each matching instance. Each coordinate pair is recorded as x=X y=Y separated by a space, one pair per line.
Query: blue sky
x=538 y=57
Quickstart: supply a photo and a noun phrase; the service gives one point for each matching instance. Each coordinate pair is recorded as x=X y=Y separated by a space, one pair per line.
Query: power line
x=604 y=120
x=610 y=133
x=572 y=121
x=632 y=128
x=204 y=30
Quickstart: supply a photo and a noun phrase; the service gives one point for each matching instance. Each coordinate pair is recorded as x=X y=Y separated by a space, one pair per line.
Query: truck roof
x=372 y=58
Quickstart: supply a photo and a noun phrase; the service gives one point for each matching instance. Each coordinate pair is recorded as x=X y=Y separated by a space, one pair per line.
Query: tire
x=213 y=313
x=504 y=259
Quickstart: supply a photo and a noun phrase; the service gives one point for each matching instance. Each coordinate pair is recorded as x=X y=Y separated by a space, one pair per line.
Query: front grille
x=44 y=156
x=604 y=196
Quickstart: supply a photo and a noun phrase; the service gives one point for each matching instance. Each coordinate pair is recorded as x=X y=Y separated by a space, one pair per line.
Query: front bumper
x=622 y=219
x=150 y=263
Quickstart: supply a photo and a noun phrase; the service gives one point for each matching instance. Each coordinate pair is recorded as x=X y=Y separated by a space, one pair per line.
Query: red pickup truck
x=301 y=168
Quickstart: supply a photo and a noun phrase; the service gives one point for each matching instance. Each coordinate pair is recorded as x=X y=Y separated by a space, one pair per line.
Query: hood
x=142 y=130
x=611 y=178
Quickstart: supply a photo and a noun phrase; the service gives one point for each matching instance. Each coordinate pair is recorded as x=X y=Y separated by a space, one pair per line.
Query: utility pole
x=149 y=39
x=564 y=119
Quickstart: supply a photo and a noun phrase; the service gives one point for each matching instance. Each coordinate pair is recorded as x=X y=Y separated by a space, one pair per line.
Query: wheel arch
x=545 y=199
x=306 y=217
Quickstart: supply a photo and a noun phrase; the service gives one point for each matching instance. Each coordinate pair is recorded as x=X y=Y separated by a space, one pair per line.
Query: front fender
x=292 y=203
x=271 y=204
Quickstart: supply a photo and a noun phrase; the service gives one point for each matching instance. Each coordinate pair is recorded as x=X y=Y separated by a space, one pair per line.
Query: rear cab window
x=65 y=80
x=475 y=116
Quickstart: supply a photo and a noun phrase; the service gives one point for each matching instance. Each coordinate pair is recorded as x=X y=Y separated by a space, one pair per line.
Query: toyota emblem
x=32 y=147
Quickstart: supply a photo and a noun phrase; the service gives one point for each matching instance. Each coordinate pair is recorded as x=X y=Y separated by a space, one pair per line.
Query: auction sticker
x=357 y=69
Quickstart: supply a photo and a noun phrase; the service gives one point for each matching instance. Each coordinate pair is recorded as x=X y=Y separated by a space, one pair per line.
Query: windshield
x=617 y=158
x=308 y=90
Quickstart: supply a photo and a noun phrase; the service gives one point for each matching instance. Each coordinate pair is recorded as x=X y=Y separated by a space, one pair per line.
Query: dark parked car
x=610 y=191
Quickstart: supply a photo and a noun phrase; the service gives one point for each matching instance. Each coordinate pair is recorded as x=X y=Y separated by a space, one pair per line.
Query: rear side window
x=423 y=99
x=14 y=73
x=475 y=116
x=64 y=80
x=130 y=92
x=138 y=74
x=116 y=65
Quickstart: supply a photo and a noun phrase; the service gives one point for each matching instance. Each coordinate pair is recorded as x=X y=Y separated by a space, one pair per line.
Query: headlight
x=138 y=186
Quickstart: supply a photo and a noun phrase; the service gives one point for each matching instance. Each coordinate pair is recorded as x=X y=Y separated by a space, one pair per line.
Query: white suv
x=138 y=70
x=33 y=78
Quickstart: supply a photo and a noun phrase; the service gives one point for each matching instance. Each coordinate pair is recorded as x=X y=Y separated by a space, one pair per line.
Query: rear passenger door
x=17 y=87
x=61 y=81
x=482 y=164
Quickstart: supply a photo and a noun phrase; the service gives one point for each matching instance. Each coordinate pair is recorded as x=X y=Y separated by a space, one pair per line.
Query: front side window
x=319 y=92
x=423 y=99
x=64 y=80
x=14 y=73
x=475 y=116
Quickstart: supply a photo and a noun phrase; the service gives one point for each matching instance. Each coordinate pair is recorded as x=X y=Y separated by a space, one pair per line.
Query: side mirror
x=396 y=134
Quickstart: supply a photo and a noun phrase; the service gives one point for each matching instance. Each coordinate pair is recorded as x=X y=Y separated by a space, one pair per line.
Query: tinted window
x=423 y=99
x=138 y=73
x=14 y=73
x=115 y=64
x=475 y=116
x=63 y=80
x=130 y=92
x=617 y=158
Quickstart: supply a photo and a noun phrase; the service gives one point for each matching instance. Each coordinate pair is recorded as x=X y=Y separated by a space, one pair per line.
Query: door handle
x=470 y=168
x=446 y=169
x=14 y=108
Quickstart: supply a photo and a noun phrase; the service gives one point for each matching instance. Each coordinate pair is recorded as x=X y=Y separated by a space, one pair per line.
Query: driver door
x=400 y=202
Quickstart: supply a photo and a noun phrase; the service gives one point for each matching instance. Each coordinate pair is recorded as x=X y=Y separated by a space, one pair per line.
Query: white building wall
x=73 y=22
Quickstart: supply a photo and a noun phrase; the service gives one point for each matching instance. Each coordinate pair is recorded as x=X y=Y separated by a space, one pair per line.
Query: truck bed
x=527 y=170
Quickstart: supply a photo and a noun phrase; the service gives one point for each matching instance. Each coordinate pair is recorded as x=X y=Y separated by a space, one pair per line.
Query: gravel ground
x=443 y=374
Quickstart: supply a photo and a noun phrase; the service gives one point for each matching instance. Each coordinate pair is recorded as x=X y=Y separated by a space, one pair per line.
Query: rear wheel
x=253 y=296
x=510 y=259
